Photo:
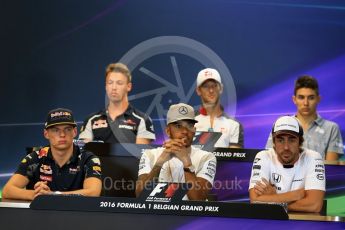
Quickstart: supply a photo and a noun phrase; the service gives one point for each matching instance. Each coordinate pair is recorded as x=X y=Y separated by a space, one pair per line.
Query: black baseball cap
x=60 y=116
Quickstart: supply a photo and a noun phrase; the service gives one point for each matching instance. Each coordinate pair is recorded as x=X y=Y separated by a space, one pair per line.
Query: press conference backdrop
x=53 y=54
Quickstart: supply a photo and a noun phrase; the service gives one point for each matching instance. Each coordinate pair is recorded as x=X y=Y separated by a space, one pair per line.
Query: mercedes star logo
x=183 y=110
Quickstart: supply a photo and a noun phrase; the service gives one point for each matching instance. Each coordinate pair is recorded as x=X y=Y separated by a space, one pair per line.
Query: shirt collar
x=203 y=111
x=73 y=159
x=318 y=121
x=128 y=111
x=75 y=155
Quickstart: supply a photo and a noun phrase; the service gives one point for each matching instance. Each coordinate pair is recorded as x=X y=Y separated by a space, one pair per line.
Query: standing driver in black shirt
x=119 y=122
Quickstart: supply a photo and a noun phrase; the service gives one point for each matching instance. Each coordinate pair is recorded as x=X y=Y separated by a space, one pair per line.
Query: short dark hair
x=306 y=81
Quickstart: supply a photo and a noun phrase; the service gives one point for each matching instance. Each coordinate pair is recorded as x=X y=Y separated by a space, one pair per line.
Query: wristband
x=190 y=169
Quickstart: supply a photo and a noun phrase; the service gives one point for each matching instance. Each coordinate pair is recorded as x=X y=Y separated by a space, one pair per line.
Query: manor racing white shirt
x=308 y=172
x=205 y=164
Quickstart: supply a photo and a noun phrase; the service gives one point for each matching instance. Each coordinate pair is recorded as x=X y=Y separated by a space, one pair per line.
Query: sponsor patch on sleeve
x=96 y=168
x=96 y=160
x=256 y=166
x=142 y=163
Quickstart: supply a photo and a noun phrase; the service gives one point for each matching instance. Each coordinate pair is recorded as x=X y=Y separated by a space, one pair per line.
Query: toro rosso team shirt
x=125 y=128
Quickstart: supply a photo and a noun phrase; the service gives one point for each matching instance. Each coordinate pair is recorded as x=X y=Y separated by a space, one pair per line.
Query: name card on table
x=133 y=205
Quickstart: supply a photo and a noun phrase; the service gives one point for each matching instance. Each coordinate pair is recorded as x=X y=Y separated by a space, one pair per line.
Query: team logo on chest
x=46 y=173
x=46 y=169
x=223 y=130
x=74 y=170
x=276 y=177
x=128 y=124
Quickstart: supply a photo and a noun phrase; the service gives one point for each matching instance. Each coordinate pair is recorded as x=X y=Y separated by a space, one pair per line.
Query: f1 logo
x=159 y=188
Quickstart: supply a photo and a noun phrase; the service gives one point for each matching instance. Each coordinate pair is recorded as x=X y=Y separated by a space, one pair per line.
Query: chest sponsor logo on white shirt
x=276 y=177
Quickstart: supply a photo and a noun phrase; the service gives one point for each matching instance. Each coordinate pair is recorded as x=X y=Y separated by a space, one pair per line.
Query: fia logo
x=276 y=177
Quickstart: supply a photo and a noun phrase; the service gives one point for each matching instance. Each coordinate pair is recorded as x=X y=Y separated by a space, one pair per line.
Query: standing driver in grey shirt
x=320 y=135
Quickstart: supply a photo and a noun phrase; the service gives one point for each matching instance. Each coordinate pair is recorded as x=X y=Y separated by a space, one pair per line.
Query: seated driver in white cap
x=288 y=173
x=177 y=161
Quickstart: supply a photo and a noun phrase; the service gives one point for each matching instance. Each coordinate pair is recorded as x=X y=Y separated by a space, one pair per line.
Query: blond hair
x=118 y=68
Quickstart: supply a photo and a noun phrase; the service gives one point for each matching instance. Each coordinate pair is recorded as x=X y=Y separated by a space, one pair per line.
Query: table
x=24 y=217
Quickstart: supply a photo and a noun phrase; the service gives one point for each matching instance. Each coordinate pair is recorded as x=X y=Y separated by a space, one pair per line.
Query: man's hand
x=177 y=148
x=263 y=187
x=164 y=157
x=41 y=188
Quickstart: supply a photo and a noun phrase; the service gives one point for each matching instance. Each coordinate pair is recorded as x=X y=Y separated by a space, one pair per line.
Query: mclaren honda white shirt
x=308 y=172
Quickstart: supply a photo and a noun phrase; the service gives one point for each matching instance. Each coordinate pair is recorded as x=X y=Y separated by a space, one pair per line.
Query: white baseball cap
x=206 y=74
x=287 y=125
x=181 y=111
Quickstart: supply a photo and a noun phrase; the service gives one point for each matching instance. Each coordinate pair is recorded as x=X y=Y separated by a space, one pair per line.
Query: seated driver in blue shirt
x=60 y=168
